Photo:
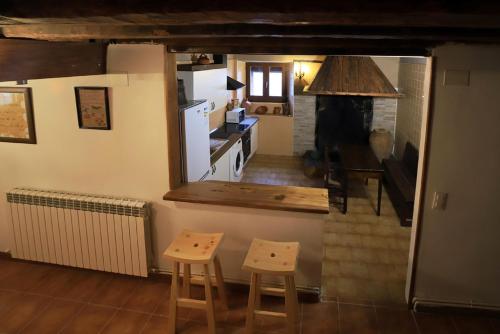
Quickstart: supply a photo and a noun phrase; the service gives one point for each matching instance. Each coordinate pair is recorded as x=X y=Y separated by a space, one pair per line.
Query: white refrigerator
x=195 y=139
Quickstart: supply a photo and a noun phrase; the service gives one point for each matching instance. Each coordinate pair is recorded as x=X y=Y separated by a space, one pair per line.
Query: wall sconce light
x=299 y=72
x=299 y=83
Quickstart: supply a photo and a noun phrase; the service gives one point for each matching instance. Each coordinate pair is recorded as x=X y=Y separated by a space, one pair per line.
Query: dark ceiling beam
x=65 y=32
x=303 y=46
x=395 y=13
x=25 y=59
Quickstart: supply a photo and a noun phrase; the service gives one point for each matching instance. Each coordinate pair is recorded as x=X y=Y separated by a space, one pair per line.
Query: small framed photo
x=92 y=105
x=16 y=116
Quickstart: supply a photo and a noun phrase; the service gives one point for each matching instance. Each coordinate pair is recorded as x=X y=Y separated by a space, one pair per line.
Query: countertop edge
x=238 y=199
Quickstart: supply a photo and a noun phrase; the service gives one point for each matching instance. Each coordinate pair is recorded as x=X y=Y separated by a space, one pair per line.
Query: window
x=267 y=82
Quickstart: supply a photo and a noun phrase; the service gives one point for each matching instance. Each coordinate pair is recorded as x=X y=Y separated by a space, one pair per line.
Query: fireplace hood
x=351 y=75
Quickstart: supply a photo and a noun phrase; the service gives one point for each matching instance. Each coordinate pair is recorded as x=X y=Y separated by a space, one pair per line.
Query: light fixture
x=299 y=83
x=299 y=72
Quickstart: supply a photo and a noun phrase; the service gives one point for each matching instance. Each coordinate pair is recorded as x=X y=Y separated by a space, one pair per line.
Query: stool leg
x=186 y=281
x=251 y=303
x=258 y=295
x=221 y=290
x=210 y=301
x=173 y=298
x=291 y=304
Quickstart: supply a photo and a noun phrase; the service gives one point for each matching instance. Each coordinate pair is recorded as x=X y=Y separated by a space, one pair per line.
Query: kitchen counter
x=232 y=132
x=259 y=196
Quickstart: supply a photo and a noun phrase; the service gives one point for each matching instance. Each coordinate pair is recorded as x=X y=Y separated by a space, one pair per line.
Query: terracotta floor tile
x=25 y=276
x=156 y=325
x=23 y=309
x=357 y=319
x=435 y=323
x=473 y=325
x=7 y=298
x=395 y=321
x=10 y=266
x=124 y=322
x=191 y=327
x=54 y=317
x=147 y=296
x=71 y=283
x=320 y=318
x=90 y=319
x=116 y=291
x=163 y=307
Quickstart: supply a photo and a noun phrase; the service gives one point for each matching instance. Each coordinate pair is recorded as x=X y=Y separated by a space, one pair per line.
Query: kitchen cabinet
x=254 y=139
x=220 y=170
x=210 y=85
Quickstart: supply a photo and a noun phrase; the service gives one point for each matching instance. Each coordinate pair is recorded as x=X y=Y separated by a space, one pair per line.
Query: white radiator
x=94 y=232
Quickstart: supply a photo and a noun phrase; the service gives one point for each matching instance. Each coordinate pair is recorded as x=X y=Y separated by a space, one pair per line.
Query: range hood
x=351 y=75
x=233 y=84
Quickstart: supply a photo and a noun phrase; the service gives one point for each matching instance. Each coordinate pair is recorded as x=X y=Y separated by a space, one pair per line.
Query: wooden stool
x=195 y=248
x=273 y=258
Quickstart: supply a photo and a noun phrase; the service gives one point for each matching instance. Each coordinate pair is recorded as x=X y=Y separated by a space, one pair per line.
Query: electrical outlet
x=439 y=201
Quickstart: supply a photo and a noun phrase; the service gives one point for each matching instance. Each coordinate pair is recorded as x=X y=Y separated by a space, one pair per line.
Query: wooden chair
x=335 y=178
x=272 y=258
x=195 y=248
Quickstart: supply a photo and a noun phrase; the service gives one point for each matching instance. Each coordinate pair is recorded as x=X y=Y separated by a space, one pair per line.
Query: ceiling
x=258 y=26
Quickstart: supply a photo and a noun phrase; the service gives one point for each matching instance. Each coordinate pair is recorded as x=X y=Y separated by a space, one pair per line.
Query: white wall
x=130 y=160
x=459 y=247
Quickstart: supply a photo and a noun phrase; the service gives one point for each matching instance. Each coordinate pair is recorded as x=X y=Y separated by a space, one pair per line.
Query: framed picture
x=16 y=116
x=92 y=105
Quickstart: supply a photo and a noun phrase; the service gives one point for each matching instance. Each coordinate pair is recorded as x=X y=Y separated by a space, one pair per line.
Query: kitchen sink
x=216 y=144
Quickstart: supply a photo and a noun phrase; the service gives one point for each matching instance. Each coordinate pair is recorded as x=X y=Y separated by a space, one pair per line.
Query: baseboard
x=420 y=305
x=304 y=295
x=5 y=255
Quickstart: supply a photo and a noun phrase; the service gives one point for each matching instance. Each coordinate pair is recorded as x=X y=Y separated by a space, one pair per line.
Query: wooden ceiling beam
x=25 y=59
x=396 y=13
x=304 y=46
x=65 y=32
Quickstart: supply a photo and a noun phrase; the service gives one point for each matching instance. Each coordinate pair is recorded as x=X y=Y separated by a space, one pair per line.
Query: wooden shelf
x=258 y=196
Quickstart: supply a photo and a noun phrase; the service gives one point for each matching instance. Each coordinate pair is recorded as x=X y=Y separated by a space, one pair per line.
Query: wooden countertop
x=259 y=196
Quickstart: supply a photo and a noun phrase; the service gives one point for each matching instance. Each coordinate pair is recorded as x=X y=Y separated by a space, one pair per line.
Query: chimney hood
x=233 y=84
x=351 y=75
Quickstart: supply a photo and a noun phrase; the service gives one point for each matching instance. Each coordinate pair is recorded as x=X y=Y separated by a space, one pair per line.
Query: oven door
x=246 y=144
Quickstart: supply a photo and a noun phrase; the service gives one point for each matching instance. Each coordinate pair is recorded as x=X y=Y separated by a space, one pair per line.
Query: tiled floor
x=366 y=256
x=42 y=298
x=278 y=170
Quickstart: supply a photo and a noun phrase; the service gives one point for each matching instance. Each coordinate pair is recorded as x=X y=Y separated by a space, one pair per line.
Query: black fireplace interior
x=342 y=120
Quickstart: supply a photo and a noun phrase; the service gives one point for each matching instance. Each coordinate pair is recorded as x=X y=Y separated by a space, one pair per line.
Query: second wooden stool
x=195 y=248
x=272 y=258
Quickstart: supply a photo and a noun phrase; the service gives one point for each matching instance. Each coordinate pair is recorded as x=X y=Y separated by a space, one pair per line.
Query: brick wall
x=304 y=119
x=384 y=114
x=384 y=117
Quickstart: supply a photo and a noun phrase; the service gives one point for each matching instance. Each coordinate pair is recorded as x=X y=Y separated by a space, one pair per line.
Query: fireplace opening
x=342 y=120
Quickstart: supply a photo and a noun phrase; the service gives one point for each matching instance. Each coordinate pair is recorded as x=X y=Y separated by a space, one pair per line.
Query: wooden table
x=360 y=161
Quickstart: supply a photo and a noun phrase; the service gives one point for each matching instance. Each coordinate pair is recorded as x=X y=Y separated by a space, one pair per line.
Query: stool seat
x=194 y=247
x=272 y=257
